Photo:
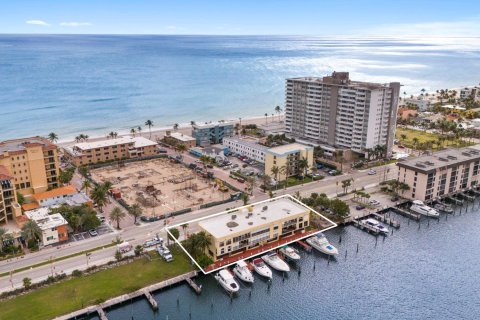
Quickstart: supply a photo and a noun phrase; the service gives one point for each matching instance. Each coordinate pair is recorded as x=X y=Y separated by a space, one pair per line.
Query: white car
x=374 y=202
x=372 y=172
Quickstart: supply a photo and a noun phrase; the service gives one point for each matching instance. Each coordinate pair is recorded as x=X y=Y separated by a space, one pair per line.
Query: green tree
x=303 y=166
x=86 y=185
x=27 y=282
x=175 y=234
x=117 y=215
x=118 y=255
x=138 y=250
x=31 y=232
x=346 y=184
x=203 y=240
x=99 y=197
x=245 y=198
x=149 y=124
x=3 y=233
x=83 y=170
x=136 y=211
x=175 y=126
x=133 y=132
x=278 y=110
x=184 y=228
x=53 y=137
x=66 y=175
x=20 y=198
x=339 y=207
x=89 y=220
x=265 y=181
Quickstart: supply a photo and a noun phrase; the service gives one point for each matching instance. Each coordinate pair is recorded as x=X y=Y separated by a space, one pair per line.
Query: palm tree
x=53 y=137
x=139 y=130
x=403 y=137
x=266 y=118
x=99 y=197
x=117 y=215
x=275 y=171
x=133 y=131
x=31 y=231
x=149 y=124
x=265 y=181
x=245 y=199
x=86 y=185
x=303 y=166
x=181 y=148
x=175 y=126
x=192 y=123
x=203 y=240
x=3 y=232
x=184 y=228
x=284 y=170
x=136 y=211
x=251 y=182
x=415 y=142
x=278 y=110
x=205 y=160
x=345 y=184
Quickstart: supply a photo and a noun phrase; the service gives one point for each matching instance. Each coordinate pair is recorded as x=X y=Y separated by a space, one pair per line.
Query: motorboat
x=320 y=243
x=377 y=225
x=242 y=272
x=261 y=268
x=443 y=207
x=274 y=261
x=226 y=280
x=419 y=207
x=290 y=253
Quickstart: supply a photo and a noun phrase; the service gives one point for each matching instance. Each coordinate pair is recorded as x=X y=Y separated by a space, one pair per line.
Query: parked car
x=101 y=218
x=192 y=165
x=165 y=253
x=93 y=232
x=371 y=172
x=240 y=180
x=394 y=199
x=360 y=207
x=162 y=151
x=209 y=166
x=374 y=202
x=150 y=219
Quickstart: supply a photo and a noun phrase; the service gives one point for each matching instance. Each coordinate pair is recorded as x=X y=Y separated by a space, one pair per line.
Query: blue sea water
x=421 y=272
x=73 y=84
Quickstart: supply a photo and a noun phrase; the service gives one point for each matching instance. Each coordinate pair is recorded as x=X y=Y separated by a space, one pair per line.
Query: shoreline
x=185 y=128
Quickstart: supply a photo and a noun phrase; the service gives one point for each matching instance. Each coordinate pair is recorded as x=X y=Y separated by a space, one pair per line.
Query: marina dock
x=145 y=292
x=386 y=220
x=366 y=227
x=407 y=213
x=194 y=285
x=304 y=246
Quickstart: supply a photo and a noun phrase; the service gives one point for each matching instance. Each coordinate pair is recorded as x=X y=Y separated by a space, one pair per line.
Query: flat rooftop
x=440 y=159
x=252 y=143
x=138 y=142
x=223 y=225
x=22 y=144
x=288 y=148
x=213 y=124
x=182 y=137
x=346 y=83
x=45 y=220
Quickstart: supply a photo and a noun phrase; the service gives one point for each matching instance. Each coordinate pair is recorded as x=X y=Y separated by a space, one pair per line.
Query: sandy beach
x=159 y=133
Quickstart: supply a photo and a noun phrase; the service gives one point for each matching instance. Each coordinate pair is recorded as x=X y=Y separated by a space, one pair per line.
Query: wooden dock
x=467 y=197
x=145 y=292
x=382 y=218
x=305 y=246
x=194 y=285
x=407 y=213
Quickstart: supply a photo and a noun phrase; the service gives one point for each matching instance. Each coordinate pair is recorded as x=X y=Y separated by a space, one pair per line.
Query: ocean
x=72 y=84
x=426 y=270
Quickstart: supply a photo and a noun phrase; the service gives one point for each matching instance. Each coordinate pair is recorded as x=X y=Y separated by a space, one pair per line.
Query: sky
x=242 y=17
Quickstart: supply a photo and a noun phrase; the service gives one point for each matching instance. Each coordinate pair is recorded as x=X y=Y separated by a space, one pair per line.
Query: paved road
x=138 y=234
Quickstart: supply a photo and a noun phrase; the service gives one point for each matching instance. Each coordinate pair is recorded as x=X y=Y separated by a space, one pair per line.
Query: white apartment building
x=246 y=147
x=441 y=173
x=470 y=92
x=53 y=226
x=342 y=113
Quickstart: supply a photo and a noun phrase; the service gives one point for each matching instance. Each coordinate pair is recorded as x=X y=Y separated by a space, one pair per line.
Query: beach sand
x=159 y=133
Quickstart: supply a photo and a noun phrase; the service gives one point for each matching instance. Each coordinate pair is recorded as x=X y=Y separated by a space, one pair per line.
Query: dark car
x=162 y=151
x=209 y=166
x=192 y=165
x=150 y=219
x=394 y=199
x=360 y=207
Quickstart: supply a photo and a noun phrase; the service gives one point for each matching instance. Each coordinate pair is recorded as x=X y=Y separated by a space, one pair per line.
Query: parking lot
x=101 y=230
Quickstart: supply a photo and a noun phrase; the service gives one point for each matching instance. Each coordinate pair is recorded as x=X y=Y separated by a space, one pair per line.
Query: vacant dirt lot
x=161 y=186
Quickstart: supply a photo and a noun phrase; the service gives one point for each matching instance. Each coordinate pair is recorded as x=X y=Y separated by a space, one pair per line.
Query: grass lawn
x=74 y=294
x=426 y=136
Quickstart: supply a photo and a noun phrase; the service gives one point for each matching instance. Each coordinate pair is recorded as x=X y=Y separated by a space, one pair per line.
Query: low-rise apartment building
x=288 y=158
x=470 y=92
x=176 y=138
x=54 y=227
x=32 y=162
x=63 y=195
x=9 y=208
x=212 y=132
x=441 y=173
x=254 y=225
x=246 y=147
x=110 y=150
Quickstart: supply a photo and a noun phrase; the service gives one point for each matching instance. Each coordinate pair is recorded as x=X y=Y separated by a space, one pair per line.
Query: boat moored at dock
x=242 y=272
x=261 y=268
x=320 y=243
x=377 y=225
x=227 y=281
x=419 y=207
x=290 y=253
x=443 y=207
x=274 y=261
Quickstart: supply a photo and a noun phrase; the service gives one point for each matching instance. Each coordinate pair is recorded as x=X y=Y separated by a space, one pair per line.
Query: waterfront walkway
x=99 y=309
x=253 y=252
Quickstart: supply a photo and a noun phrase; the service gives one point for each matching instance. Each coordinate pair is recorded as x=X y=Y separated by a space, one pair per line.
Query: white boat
x=377 y=225
x=261 y=268
x=419 y=207
x=242 y=272
x=440 y=206
x=226 y=280
x=290 y=253
x=274 y=261
x=320 y=243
